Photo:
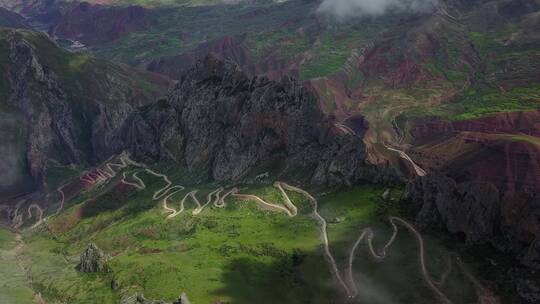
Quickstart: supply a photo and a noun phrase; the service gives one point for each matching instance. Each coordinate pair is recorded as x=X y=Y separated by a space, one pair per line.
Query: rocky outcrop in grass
x=92 y=260
x=138 y=298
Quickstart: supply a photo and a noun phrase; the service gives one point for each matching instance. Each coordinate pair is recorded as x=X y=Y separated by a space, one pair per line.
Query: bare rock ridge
x=92 y=260
x=219 y=121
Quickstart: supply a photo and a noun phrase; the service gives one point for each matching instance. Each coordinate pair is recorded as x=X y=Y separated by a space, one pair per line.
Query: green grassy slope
x=484 y=101
x=239 y=254
x=14 y=286
x=181 y=29
x=81 y=75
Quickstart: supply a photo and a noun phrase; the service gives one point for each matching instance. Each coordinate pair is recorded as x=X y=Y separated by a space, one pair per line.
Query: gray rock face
x=225 y=124
x=92 y=260
x=528 y=290
x=469 y=208
x=475 y=210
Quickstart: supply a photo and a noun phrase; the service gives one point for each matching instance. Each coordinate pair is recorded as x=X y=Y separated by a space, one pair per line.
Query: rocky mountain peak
x=218 y=120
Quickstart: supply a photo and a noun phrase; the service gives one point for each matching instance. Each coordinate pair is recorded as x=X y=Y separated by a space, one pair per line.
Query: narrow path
x=39 y=213
x=323 y=235
x=16 y=252
x=62 y=198
x=419 y=171
x=290 y=209
x=107 y=171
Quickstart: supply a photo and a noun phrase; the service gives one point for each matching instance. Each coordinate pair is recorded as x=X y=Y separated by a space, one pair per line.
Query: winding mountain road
x=39 y=211
x=368 y=234
x=419 y=171
x=62 y=198
x=345 y=129
x=287 y=207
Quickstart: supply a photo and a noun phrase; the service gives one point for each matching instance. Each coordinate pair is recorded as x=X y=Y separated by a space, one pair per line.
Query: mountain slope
x=59 y=106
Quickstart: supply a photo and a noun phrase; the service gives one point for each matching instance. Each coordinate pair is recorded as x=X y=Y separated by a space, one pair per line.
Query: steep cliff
x=59 y=107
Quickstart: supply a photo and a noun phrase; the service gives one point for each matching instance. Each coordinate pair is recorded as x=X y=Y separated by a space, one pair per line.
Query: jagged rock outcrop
x=92 y=259
x=527 y=284
x=219 y=121
x=476 y=211
x=469 y=208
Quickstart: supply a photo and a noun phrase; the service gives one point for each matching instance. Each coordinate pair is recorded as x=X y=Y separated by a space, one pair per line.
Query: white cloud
x=357 y=8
